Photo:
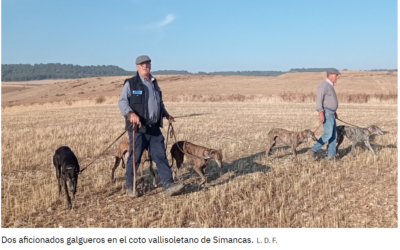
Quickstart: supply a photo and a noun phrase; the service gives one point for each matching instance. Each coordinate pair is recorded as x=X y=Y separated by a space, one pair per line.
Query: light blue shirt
x=153 y=98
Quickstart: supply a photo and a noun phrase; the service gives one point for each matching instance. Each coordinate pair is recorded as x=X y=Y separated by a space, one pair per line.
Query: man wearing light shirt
x=141 y=104
x=326 y=105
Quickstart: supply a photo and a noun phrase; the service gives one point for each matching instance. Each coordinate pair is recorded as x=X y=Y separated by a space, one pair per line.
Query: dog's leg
x=141 y=167
x=173 y=171
x=353 y=146
x=58 y=179
x=58 y=171
x=268 y=149
x=199 y=171
x=369 y=146
x=179 y=162
x=67 y=194
x=123 y=160
x=294 y=153
x=116 y=164
x=295 y=143
x=153 y=173
x=339 y=141
x=75 y=187
x=58 y=174
x=203 y=171
x=270 y=145
x=59 y=185
x=174 y=175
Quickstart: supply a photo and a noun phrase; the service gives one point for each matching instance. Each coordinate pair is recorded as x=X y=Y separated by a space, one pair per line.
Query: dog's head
x=309 y=134
x=375 y=130
x=216 y=155
x=70 y=174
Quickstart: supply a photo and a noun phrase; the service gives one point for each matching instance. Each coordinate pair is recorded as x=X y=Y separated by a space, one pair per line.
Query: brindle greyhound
x=198 y=155
x=122 y=153
x=356 y=134
x=289 y=138
x=67 y=170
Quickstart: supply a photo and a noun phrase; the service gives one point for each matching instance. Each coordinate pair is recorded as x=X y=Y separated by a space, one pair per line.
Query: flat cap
x=142 y=59
x=332 y=71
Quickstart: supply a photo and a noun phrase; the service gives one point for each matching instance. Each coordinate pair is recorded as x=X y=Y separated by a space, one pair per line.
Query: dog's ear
x=213 y=153
x=371 y=128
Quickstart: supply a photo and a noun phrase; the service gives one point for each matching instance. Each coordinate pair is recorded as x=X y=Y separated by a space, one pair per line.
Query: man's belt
x=333 y=110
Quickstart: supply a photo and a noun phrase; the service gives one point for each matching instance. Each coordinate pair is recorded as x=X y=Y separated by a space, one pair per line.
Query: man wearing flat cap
x=142 y=106
x=327 y=104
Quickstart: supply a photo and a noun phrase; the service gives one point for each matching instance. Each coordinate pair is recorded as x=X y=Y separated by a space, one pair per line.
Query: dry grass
x=223 y=113
x=352 y=86
x=389 y=97
x=250 y=192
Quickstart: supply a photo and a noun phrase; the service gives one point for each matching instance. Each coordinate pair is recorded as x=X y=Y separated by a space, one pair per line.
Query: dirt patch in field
x=5 y=90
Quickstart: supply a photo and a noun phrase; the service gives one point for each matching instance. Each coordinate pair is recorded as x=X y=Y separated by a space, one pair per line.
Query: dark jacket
x=139 y=103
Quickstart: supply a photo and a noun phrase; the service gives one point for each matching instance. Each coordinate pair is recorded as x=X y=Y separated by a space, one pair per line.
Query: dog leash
x=170 y=132
x=103 y=151
x=318 y=127
x=349 y=123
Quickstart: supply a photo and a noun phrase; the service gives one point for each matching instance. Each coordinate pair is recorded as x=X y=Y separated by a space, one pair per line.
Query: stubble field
x=250 y=191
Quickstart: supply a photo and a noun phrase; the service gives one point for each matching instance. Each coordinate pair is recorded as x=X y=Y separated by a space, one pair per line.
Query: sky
x=202 y=35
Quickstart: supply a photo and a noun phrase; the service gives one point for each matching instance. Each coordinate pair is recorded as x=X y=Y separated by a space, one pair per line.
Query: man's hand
x=321 y=116
x=134 y=119
x=170 y=118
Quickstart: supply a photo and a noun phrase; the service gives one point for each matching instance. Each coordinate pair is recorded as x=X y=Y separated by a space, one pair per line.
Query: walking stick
x=134 y=161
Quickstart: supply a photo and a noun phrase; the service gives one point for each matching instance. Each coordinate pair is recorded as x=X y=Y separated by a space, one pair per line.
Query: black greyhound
x=67 y=170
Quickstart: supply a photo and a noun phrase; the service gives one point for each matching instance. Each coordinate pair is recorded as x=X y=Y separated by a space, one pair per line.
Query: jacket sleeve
x=123 y=102
x=320 y=97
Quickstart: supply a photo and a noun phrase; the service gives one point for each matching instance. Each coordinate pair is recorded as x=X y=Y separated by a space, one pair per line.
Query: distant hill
x=248 y=73
x=27 y=72
x=324 y=69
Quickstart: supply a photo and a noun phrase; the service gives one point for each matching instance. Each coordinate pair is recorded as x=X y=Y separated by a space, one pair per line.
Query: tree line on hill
x=324 y=69
x=27 y=72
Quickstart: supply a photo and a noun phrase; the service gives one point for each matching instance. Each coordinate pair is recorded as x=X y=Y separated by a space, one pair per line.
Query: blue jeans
x=153 y=141
x=329 y=136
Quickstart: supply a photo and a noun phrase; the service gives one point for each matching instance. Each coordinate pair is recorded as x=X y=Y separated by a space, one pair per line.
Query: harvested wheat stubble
x=251 y=192
x=352 y=86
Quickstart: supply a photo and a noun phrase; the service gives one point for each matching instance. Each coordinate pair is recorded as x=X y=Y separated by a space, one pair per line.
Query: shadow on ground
x=216 y=176
x=375 y=147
